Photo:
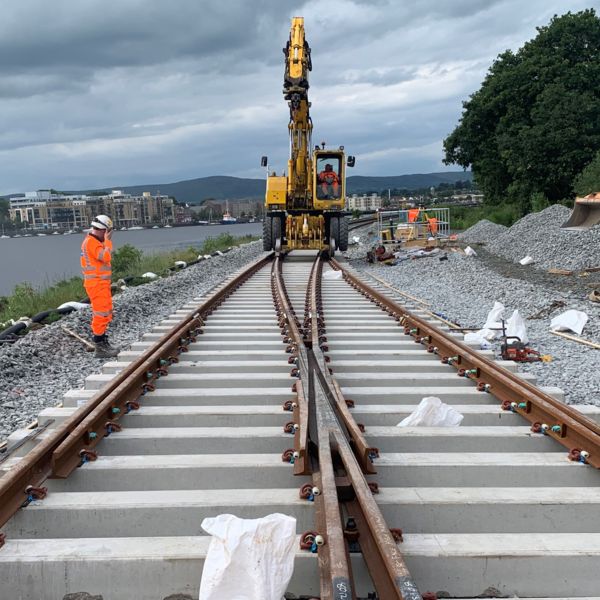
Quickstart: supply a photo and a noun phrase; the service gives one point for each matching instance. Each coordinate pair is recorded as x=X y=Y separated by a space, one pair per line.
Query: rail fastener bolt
x=288 y=456
x=291 y=427
x=397 y=535
x=578 y=455
x=307 y=540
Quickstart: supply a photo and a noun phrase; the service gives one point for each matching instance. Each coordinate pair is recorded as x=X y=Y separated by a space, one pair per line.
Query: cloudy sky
x=98 y=93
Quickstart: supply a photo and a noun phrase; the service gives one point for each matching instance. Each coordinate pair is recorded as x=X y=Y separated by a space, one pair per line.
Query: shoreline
x=38 y=370
x=27 y=300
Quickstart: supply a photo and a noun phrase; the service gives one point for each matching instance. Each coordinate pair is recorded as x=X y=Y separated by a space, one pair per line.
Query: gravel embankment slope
x=465 y=288
x=36 y=371
x=540 y=236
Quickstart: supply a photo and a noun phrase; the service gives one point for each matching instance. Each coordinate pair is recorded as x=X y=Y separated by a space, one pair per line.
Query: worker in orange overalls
x=97 y=274
x=327 y=178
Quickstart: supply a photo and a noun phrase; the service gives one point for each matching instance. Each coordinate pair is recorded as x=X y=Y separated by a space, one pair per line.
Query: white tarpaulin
x=248 y=559
x=432 y=412
x=515 y=326
x=571 y=320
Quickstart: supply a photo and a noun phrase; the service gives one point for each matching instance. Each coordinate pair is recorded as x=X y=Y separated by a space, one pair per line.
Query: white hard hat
x=102 y=222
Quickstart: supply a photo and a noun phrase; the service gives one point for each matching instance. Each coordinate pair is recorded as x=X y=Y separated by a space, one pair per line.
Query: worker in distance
x=330 y=182
x=97 y=275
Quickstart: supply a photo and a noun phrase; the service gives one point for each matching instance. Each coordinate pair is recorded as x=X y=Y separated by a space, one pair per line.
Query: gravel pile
x=482 y=232
x=36 y=371
x=464 y=290
x=540 y=236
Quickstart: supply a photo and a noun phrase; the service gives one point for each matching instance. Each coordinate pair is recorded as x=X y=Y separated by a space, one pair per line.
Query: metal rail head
x=72 y=443
x=579 y=434
x=335 y=448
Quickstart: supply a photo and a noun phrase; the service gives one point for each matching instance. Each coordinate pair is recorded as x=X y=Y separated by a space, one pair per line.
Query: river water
x=42 y=261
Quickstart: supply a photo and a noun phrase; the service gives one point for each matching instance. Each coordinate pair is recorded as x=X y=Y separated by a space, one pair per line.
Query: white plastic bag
x=494 y=316
x=571 y=320
x=332 y=275
x=432 y=412
x=75 y=305
x=248 y=559
x=470 y=252
x=515 y=326
x=526 y=261
x=149 y=275
x=478 y=338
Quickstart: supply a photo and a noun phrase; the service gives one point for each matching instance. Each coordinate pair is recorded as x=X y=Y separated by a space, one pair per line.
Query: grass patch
x=463 y=217
x=27 y=300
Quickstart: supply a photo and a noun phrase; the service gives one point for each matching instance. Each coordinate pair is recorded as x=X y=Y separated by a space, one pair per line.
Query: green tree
x=125 y=260
x=588 y=181
x=4 y=214
x=535 y=122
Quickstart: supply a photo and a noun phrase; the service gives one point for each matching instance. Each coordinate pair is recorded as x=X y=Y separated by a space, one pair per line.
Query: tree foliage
x=588 y=181
x=535 y=122
x=125 y=260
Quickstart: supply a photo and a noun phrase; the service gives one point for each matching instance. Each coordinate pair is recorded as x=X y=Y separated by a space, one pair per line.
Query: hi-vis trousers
x=101 y=301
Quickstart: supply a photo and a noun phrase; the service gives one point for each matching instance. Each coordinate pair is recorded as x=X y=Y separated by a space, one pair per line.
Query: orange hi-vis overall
x=97 y=274
x=329 y=178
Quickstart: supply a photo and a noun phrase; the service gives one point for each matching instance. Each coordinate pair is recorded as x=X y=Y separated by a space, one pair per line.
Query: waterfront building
x=46 y=210
x=363 y=202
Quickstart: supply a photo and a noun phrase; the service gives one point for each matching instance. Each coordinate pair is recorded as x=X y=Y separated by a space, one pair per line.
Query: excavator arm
x=303 y=208
x=295 y=90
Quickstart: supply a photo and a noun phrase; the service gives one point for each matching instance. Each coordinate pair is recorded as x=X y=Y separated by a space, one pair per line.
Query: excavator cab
x=328 y=177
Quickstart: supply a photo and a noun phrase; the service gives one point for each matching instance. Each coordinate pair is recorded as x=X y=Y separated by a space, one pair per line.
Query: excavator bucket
x=586 y=213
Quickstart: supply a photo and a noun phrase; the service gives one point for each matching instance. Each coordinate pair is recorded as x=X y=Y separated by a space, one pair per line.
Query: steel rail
x=366 y=525
x=71 y=443
x=293 y=336
x=356 y=223
x=314 y=454
x=548 y=416
x=364 y=452
x=338 y=462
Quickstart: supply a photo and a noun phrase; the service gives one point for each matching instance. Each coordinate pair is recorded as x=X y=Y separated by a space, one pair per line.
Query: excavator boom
x=304 y=208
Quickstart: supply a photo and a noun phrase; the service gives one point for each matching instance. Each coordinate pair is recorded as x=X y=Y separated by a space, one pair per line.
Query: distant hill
x=359 y=184
x=194 y=191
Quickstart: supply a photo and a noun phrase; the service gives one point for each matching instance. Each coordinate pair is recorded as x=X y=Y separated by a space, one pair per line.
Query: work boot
x=104 y=349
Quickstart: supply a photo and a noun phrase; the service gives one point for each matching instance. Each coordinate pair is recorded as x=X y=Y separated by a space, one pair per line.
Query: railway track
x=197 y=423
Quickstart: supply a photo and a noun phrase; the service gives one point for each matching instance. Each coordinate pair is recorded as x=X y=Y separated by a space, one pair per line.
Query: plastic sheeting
x=432 y=412
x=515 y=326
x=248 y=559
x=570 y=320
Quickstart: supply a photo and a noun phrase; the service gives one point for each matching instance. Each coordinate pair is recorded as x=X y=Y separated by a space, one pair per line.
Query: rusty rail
x=73 y=442
x=338 y=456
x=579 y=434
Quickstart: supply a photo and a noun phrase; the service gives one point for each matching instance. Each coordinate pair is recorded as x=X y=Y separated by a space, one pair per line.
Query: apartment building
x=363 y=202
x=46 y=210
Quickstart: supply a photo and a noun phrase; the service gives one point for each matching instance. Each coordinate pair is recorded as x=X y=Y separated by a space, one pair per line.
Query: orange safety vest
x=95 y=259
x=413 y=215
x=432 y=224
x=329 y=177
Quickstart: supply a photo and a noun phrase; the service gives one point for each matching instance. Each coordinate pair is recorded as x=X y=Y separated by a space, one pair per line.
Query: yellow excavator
x=305 y=208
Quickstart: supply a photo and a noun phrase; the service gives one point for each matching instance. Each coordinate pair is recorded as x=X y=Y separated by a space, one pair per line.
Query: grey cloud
x=100 y=93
